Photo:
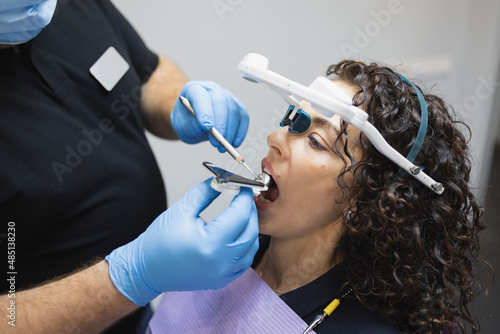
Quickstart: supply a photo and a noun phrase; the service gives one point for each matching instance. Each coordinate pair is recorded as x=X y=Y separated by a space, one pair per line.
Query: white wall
x=451 y=45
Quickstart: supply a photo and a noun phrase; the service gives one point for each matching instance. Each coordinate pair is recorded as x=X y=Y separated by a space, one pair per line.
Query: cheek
x=312 y=187
x=315 y=174
x=315 y=186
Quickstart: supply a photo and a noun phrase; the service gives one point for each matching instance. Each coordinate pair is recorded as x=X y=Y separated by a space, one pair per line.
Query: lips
x=267 y=198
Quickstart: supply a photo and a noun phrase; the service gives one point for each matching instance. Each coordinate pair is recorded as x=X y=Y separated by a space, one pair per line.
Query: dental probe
x=227 y=146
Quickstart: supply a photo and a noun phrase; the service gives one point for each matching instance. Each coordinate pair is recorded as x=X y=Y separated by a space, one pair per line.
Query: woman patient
x=339 y=221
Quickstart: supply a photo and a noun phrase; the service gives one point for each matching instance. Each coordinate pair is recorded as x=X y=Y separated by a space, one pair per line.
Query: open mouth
x=272 y=193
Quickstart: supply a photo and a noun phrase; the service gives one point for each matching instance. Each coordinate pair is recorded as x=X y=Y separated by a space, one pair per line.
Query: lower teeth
x=263 y=199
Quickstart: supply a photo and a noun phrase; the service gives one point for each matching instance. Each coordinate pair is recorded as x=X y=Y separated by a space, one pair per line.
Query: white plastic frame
x=326 y=97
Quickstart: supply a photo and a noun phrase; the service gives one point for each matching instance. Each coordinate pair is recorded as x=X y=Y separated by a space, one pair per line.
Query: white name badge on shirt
x=109 y=68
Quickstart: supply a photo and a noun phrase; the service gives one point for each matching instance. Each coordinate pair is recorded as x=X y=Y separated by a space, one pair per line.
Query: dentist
x=79 y=185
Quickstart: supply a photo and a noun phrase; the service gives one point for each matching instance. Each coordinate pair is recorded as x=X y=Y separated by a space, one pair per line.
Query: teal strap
x=422 y=130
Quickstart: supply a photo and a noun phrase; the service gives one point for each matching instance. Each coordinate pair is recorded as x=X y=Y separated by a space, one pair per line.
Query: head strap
x=422 y=130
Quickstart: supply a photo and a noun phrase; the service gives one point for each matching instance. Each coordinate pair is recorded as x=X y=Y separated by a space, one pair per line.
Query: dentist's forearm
x=159 y=95
x=85 y=302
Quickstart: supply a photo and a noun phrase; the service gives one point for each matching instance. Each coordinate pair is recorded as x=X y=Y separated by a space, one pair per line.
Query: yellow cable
x=332 y=306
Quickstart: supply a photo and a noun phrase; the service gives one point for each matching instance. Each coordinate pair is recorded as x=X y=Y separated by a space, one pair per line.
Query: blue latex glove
x=180 y=252
x=213 y=106
x=22 y=20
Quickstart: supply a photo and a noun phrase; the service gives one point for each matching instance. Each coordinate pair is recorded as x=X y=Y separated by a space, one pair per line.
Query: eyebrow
x=325 y=123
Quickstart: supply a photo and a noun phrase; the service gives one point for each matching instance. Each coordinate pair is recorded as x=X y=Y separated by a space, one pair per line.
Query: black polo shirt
x=309 y=300
x=77 y=176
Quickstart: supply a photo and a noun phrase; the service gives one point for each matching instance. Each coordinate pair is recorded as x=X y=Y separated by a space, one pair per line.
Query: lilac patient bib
x=247 y=305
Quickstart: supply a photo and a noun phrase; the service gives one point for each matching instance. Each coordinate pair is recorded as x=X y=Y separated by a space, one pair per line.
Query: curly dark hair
x=411 y=253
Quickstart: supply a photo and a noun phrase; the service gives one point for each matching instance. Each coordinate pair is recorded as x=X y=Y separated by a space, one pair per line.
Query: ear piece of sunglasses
x=298 y=122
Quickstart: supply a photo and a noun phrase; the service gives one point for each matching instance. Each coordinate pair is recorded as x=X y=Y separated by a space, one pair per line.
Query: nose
x=278 y=142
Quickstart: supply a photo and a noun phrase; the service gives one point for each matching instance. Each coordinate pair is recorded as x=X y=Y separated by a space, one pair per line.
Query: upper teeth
x=265 y=170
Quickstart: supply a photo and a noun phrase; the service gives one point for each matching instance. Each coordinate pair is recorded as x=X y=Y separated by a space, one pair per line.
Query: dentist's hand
x=179 y=251
x=213 y=106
